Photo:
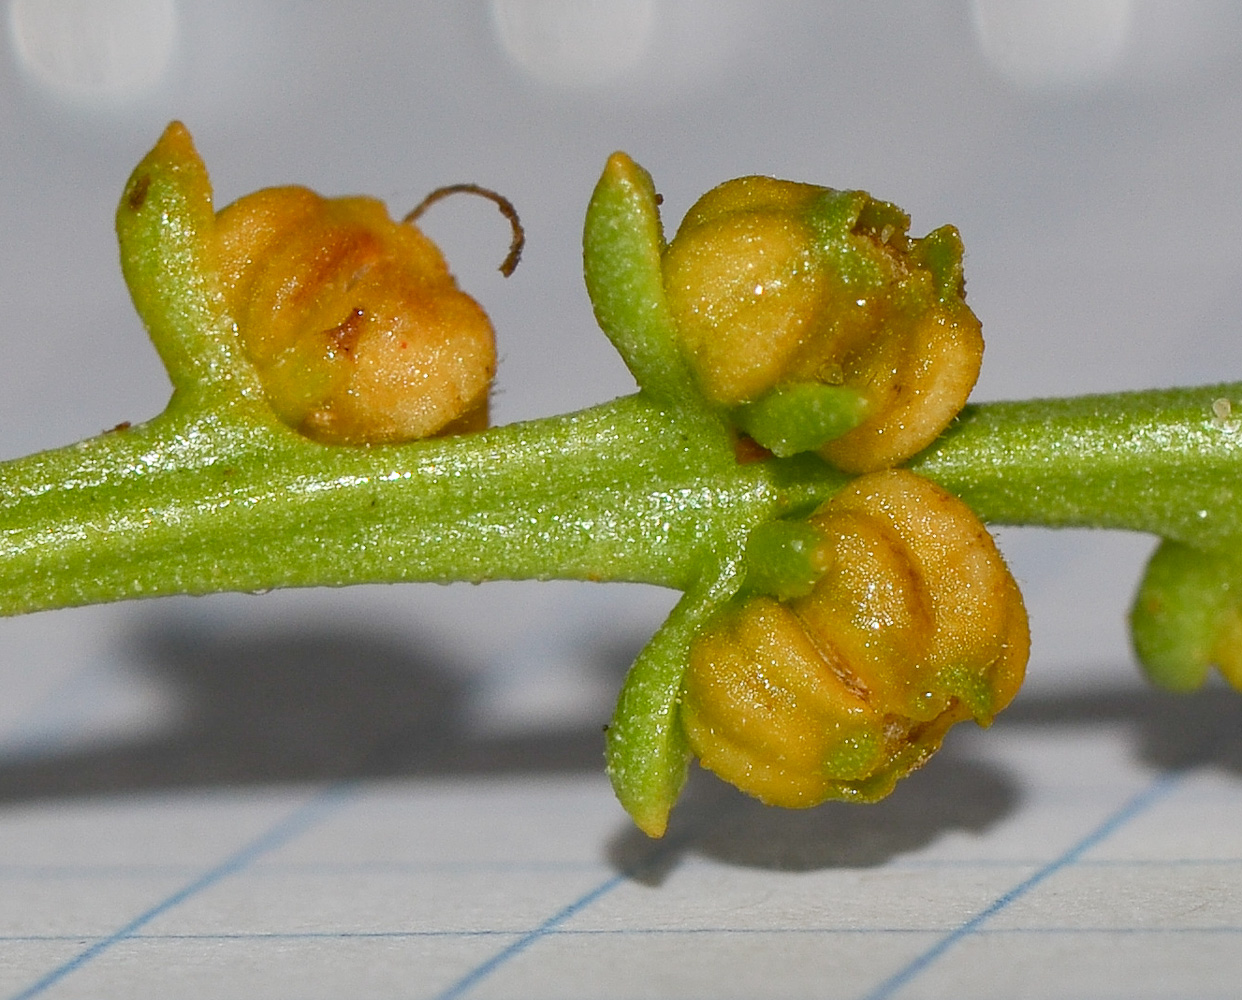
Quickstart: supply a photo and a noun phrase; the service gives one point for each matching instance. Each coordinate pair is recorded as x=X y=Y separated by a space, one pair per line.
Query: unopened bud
x=915 y=624
x=773 y=283
x=1187 y=617
x=353 y=321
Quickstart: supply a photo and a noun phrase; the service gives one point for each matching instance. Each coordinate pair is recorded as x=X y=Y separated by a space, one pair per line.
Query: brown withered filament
x=510 y=263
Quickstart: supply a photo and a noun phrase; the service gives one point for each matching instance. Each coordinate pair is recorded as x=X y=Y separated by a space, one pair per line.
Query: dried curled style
x=353 y=321
x=776 y=286
x=913 y=625
x=516 y=244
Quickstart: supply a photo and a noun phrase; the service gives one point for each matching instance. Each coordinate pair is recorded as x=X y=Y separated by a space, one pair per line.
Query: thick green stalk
x=1168 y=462
x=623 y=491
x=618 y=492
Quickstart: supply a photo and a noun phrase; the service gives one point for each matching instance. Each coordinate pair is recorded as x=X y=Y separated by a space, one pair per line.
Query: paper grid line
x=283 y=831
x=1138 y=804
x=553 y=924
x=704 y=931
x=1162 y=786
x=480 y=972
x=267 y=865
x=305 y=816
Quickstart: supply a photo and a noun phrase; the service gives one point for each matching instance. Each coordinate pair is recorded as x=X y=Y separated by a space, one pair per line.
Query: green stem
x=623 y=491
x=1168 y=462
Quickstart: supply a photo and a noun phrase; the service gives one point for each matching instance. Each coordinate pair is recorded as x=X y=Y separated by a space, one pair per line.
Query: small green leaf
x=623 y=246
x=646 y=749
x=165 y=227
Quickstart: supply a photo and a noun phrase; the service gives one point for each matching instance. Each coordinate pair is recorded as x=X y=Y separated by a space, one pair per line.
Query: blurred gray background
x=1087 y=149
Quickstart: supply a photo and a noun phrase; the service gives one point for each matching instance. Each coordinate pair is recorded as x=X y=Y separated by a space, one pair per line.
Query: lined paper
x=1087 y=846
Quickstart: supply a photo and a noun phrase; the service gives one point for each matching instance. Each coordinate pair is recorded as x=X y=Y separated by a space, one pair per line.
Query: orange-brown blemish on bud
x=138 y=190
x=357 y=328
x=344 y=336
x=747 y=449
x=914 y=625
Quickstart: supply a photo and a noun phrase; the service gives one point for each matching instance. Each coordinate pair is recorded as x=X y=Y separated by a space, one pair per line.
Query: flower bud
x=1187 y=616
x=915 y=624
x=353 y=321
x=773 y=283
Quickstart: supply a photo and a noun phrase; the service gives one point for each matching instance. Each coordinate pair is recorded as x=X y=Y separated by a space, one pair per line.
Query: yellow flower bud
x=772 y=283
x=353 y=321
x=914 y=625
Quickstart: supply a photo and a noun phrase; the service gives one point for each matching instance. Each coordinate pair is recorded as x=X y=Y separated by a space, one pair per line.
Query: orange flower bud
x=353 y=321
x=773 y=283
x=914 y=625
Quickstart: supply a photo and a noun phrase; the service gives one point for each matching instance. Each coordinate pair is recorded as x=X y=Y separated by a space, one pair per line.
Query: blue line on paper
x=1157 y=790
x=482 y=971
x=295 y=823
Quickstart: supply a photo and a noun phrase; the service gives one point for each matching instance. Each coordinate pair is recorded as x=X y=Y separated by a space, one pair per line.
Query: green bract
x=216 y=493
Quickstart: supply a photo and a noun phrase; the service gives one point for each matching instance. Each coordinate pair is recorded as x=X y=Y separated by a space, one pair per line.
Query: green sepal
x=854 y=232
x=623 y=246
x=880 y=220
x=834 y=214
x=801 y=417
x=782 y=560
x=940 y=251
x=164 y=227
x=646 y=750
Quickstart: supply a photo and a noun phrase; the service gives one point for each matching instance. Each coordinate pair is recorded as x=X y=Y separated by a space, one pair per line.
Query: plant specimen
x=799 y=460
